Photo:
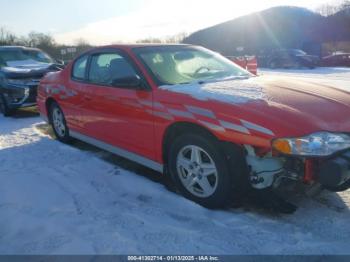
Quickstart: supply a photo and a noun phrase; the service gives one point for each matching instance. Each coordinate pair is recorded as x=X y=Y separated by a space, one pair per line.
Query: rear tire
x=201 y=171
x=58 y=123
x=4 y=108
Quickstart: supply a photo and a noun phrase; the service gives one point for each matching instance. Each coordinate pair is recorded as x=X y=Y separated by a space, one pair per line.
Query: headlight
x=317 y=144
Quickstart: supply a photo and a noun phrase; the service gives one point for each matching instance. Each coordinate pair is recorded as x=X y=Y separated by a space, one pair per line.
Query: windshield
x=12 y=57
x=173 y=65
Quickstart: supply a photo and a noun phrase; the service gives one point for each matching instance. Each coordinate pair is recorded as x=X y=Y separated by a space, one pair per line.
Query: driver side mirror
x=128 y=81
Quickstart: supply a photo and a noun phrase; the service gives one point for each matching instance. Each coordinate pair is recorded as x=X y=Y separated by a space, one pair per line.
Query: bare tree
x=327 y=9
x=82 y=45
x=40 y=40
x=178 y=38
x=174 y=39
x=149 y=40
x=6 y=37
x=331 y=9
x=81 y=42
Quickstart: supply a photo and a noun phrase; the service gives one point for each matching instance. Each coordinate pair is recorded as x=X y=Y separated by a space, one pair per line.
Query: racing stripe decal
x=256 y=127
x=200 y=111
x=181 y=113
x=234 y=127
x=213 y=123
x=212 y=126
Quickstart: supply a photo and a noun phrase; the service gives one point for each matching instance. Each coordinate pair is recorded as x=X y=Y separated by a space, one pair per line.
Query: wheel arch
x=178 y=128
x=234 y=154
x=49 y=101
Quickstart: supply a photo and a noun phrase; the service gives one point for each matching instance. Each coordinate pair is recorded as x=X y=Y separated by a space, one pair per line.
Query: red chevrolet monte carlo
x=191 y=114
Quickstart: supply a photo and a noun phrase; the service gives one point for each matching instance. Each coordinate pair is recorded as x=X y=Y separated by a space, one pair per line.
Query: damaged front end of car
x=322 y=159
x=19 y=92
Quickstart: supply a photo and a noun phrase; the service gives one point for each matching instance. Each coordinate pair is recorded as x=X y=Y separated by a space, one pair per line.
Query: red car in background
x=249 y=63
x=336 y=59
x=215 y=129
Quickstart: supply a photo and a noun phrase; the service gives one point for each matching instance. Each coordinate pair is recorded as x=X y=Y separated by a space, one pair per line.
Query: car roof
x=132 y=46
x=128 y=47
x=144 y=45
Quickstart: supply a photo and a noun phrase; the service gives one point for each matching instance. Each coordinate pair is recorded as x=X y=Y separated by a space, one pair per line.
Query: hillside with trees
x=40 y=40
x=47 y=43
x=287 y=27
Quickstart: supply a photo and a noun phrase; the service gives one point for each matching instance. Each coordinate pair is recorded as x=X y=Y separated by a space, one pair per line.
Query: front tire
x=341 y=188
x=200 y=170
x=58 y=123
x=4 y=108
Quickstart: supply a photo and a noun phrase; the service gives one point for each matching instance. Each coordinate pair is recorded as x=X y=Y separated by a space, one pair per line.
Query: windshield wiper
x=213 y=80
x=242 y=77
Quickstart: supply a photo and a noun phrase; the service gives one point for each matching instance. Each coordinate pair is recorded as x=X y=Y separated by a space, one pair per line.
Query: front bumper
x=20 y=96
x=334 y=172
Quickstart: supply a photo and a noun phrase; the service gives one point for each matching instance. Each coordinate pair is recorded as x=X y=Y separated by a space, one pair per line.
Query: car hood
x=27 y=68
x=304 y=107
x=287 y=106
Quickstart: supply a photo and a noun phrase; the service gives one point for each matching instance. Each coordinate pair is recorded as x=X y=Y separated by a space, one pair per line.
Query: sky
x=112 y=21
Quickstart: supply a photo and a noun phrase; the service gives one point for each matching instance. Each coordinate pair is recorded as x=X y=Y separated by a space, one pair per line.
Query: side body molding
x=119 y=151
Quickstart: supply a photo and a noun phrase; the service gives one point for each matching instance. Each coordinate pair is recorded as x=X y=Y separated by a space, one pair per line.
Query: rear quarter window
x=79 y=68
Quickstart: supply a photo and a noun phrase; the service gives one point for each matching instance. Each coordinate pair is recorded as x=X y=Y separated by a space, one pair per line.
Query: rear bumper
x=334 y=172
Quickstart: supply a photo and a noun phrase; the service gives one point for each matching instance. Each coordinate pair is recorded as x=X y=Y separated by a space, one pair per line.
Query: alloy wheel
x=58 y=122
x=197 y=171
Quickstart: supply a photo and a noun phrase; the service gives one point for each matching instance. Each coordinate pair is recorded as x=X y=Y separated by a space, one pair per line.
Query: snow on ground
x=332 y=73
x=61 y=199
